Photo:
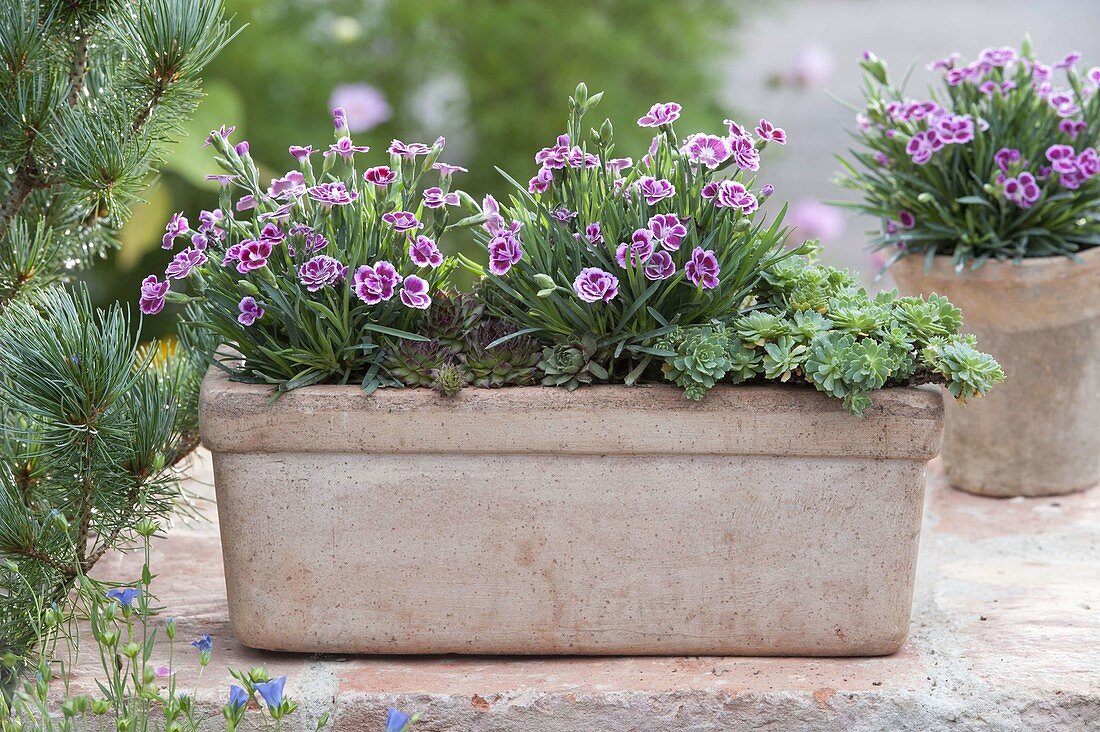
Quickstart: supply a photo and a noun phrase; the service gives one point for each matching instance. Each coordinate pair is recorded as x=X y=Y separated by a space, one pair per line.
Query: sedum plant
x=91 y=425
x=324 y=275
x=814 y=324
x=1000 y=162
x=598 y=255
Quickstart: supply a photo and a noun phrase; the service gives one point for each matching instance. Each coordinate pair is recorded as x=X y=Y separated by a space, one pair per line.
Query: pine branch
x=80 y=66
x=23 y=184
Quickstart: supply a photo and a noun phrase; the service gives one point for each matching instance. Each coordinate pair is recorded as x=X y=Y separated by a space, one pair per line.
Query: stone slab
x=1005 y=636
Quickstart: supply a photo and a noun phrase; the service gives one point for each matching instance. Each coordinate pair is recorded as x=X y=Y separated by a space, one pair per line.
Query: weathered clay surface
x=533 y=521
x=1003 y=637
x=1038 y=433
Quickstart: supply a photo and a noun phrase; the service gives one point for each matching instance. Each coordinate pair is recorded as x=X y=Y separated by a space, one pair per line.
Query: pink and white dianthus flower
x=767 y=131
x=152 y=296
x=505 y=250
x=659 y=267
x=703 y=268
x=321 y=271
x=374 y=284
x=424 y=253
x=744 y=153
x=668 y=230
x=434 y=197
x=182 y=264
x=252 y=255
x=638 y=251
x=250 y=310
x=708 y=150
x=654 y=190
x=380 y=175
x=662 y=113
x=414 y=293
x=594 y=284
x=402 y=221
x=921 y=146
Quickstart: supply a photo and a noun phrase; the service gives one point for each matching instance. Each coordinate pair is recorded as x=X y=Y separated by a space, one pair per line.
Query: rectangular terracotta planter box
x=609 y=520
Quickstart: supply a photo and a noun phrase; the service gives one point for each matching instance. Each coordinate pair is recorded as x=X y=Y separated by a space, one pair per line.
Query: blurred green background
x=490 y=75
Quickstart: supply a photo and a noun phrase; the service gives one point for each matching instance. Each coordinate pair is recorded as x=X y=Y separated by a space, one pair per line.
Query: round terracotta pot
x=1038 y=433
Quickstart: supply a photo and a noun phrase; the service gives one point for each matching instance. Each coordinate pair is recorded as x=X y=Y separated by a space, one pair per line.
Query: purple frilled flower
x=345 y=149
x=594 y=284
x=990 y=87
x=767 y=131
x=414 y=293
x=272 y=233
x=708 y=150
x=659 y=267
x=364 y=106
x=955 y=129
x=251 y=254
x=177 y=226
x=555 y=156
x=1072 y=128
x=563 y=215
x=1062 y=158
x=731 y=194
x=541 y=181
x=638 y=251
x=374 y=284
x=1064 y=104
x=321 y=271
x=504 y=251
x=301 y=154
x=702 y=268
x=182 y=264
x=593 y=234
x=578 y=158
x=380 y=176
x=668 y=231
x=424 y=253
x=223 y=180
x=153 y=291
x=654 y=190
x=1005 y=157
x=434 y=197
x=332 y=194
x=290 y=186
x=744 y=153
x=921 y=146
x=662 y=113
x=998 y=57
x=1022 y=190
x=251 y=311
x=1088 y=163
x=208 y=222
x=315 y=241
x=402 y=221
x=446 y=169
x=246 y=202
x=408 y=151
x=618 y=165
